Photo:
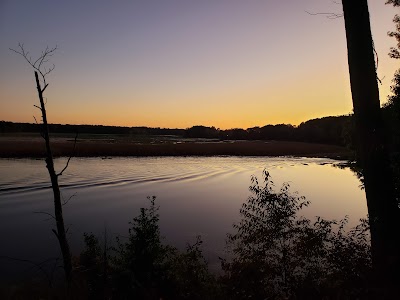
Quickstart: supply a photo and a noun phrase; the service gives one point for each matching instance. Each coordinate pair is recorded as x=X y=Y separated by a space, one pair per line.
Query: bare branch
x=330 y=16
x=54 y=267
x=69 y=198
x=45 y=87
x=73 y=152
x=37 y=265
x=41 y=132
x=38 y=64
x=45 y=213
x=377 y=62
x=55 y=232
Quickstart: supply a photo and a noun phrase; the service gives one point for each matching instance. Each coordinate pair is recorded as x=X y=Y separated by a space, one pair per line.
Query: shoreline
x=33 y=147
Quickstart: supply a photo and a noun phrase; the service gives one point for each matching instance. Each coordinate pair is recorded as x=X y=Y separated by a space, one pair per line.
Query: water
x=196 y=195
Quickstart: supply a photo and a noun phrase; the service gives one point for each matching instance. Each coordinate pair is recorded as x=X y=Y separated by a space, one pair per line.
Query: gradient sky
x=179 y=63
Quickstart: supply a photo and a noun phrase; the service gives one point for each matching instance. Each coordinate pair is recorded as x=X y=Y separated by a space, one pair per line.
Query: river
x=196 y=195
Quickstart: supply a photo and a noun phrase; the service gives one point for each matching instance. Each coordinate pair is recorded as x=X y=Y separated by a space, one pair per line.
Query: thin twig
x=69 y=198
x=55 y=232
x=55 y=266
x=45 y=213
x=330 y=16
x=38 y=63
x=45 y=87
x=37 y=265
x=73 y=152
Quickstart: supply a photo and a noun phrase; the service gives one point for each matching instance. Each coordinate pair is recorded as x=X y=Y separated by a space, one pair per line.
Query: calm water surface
x=196 y=195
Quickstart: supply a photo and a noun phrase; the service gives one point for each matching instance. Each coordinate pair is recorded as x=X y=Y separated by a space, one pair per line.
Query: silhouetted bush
x=143 y=267
x=278 y=254
x=275 y=253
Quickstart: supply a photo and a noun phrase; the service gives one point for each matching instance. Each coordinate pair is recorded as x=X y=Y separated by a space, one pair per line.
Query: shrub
x=144 y=267
x=278 y=254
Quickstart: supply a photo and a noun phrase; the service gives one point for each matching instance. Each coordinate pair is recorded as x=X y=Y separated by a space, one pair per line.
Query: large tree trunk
x=60 y=233
x=372 y=152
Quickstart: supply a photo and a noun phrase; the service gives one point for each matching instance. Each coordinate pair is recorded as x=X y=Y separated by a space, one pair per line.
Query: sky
x=180 y=63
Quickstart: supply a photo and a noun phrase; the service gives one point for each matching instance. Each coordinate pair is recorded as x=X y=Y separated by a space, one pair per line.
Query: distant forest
x=327 y=130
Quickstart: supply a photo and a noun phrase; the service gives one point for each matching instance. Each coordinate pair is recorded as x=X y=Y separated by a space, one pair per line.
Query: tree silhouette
x=395 y=53
x=371 y=147
x=40 y=70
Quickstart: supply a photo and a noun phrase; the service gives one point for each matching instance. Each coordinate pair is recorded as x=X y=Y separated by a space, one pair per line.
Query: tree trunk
x=60 y=233
x=372 y=152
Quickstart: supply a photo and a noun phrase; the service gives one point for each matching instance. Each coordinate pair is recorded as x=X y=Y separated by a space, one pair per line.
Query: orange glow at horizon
x=229 y=64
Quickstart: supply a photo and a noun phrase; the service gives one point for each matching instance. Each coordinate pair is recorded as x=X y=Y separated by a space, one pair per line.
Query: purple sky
x=223 y=63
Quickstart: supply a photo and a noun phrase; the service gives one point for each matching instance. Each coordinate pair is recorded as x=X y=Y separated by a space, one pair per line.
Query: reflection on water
x=197 y=195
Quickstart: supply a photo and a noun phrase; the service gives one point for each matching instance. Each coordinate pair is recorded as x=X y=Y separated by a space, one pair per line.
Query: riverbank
x=31 y=146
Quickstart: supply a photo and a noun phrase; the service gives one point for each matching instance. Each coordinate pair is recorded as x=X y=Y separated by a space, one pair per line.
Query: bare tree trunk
x=372 y=151
x=60 y=233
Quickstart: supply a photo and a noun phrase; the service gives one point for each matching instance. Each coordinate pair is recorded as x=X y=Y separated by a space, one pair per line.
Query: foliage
x=391 y=113
x=139 y=261
x=395 y=53
x=278 y=254
x=394 y=2
x=394 y=99
x=188 y=275
x=392 y=107
x=144 y=267
x=92 y=251
x=329 y=130
x=91 y=267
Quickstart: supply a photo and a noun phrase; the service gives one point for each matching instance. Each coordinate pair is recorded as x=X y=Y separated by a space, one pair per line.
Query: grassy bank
x=118 y=145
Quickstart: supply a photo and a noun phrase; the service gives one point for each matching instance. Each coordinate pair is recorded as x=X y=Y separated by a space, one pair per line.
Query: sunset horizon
x=224 y=64
x=182 y=127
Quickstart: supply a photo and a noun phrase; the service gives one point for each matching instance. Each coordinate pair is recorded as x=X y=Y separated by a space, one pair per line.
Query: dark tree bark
x=372 y=153
x=58 y=214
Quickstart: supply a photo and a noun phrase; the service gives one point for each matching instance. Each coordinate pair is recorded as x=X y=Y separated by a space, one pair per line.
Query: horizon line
x=176 y=128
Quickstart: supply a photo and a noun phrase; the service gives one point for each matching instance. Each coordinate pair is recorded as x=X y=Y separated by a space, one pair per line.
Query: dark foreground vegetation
x=273 y=253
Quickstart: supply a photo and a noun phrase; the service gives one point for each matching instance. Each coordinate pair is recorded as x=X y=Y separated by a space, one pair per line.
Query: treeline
x=11 y=127
x=327 y=130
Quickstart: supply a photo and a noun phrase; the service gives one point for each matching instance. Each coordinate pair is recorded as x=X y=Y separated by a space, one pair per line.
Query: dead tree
x=372 y=153
x=40 y=76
